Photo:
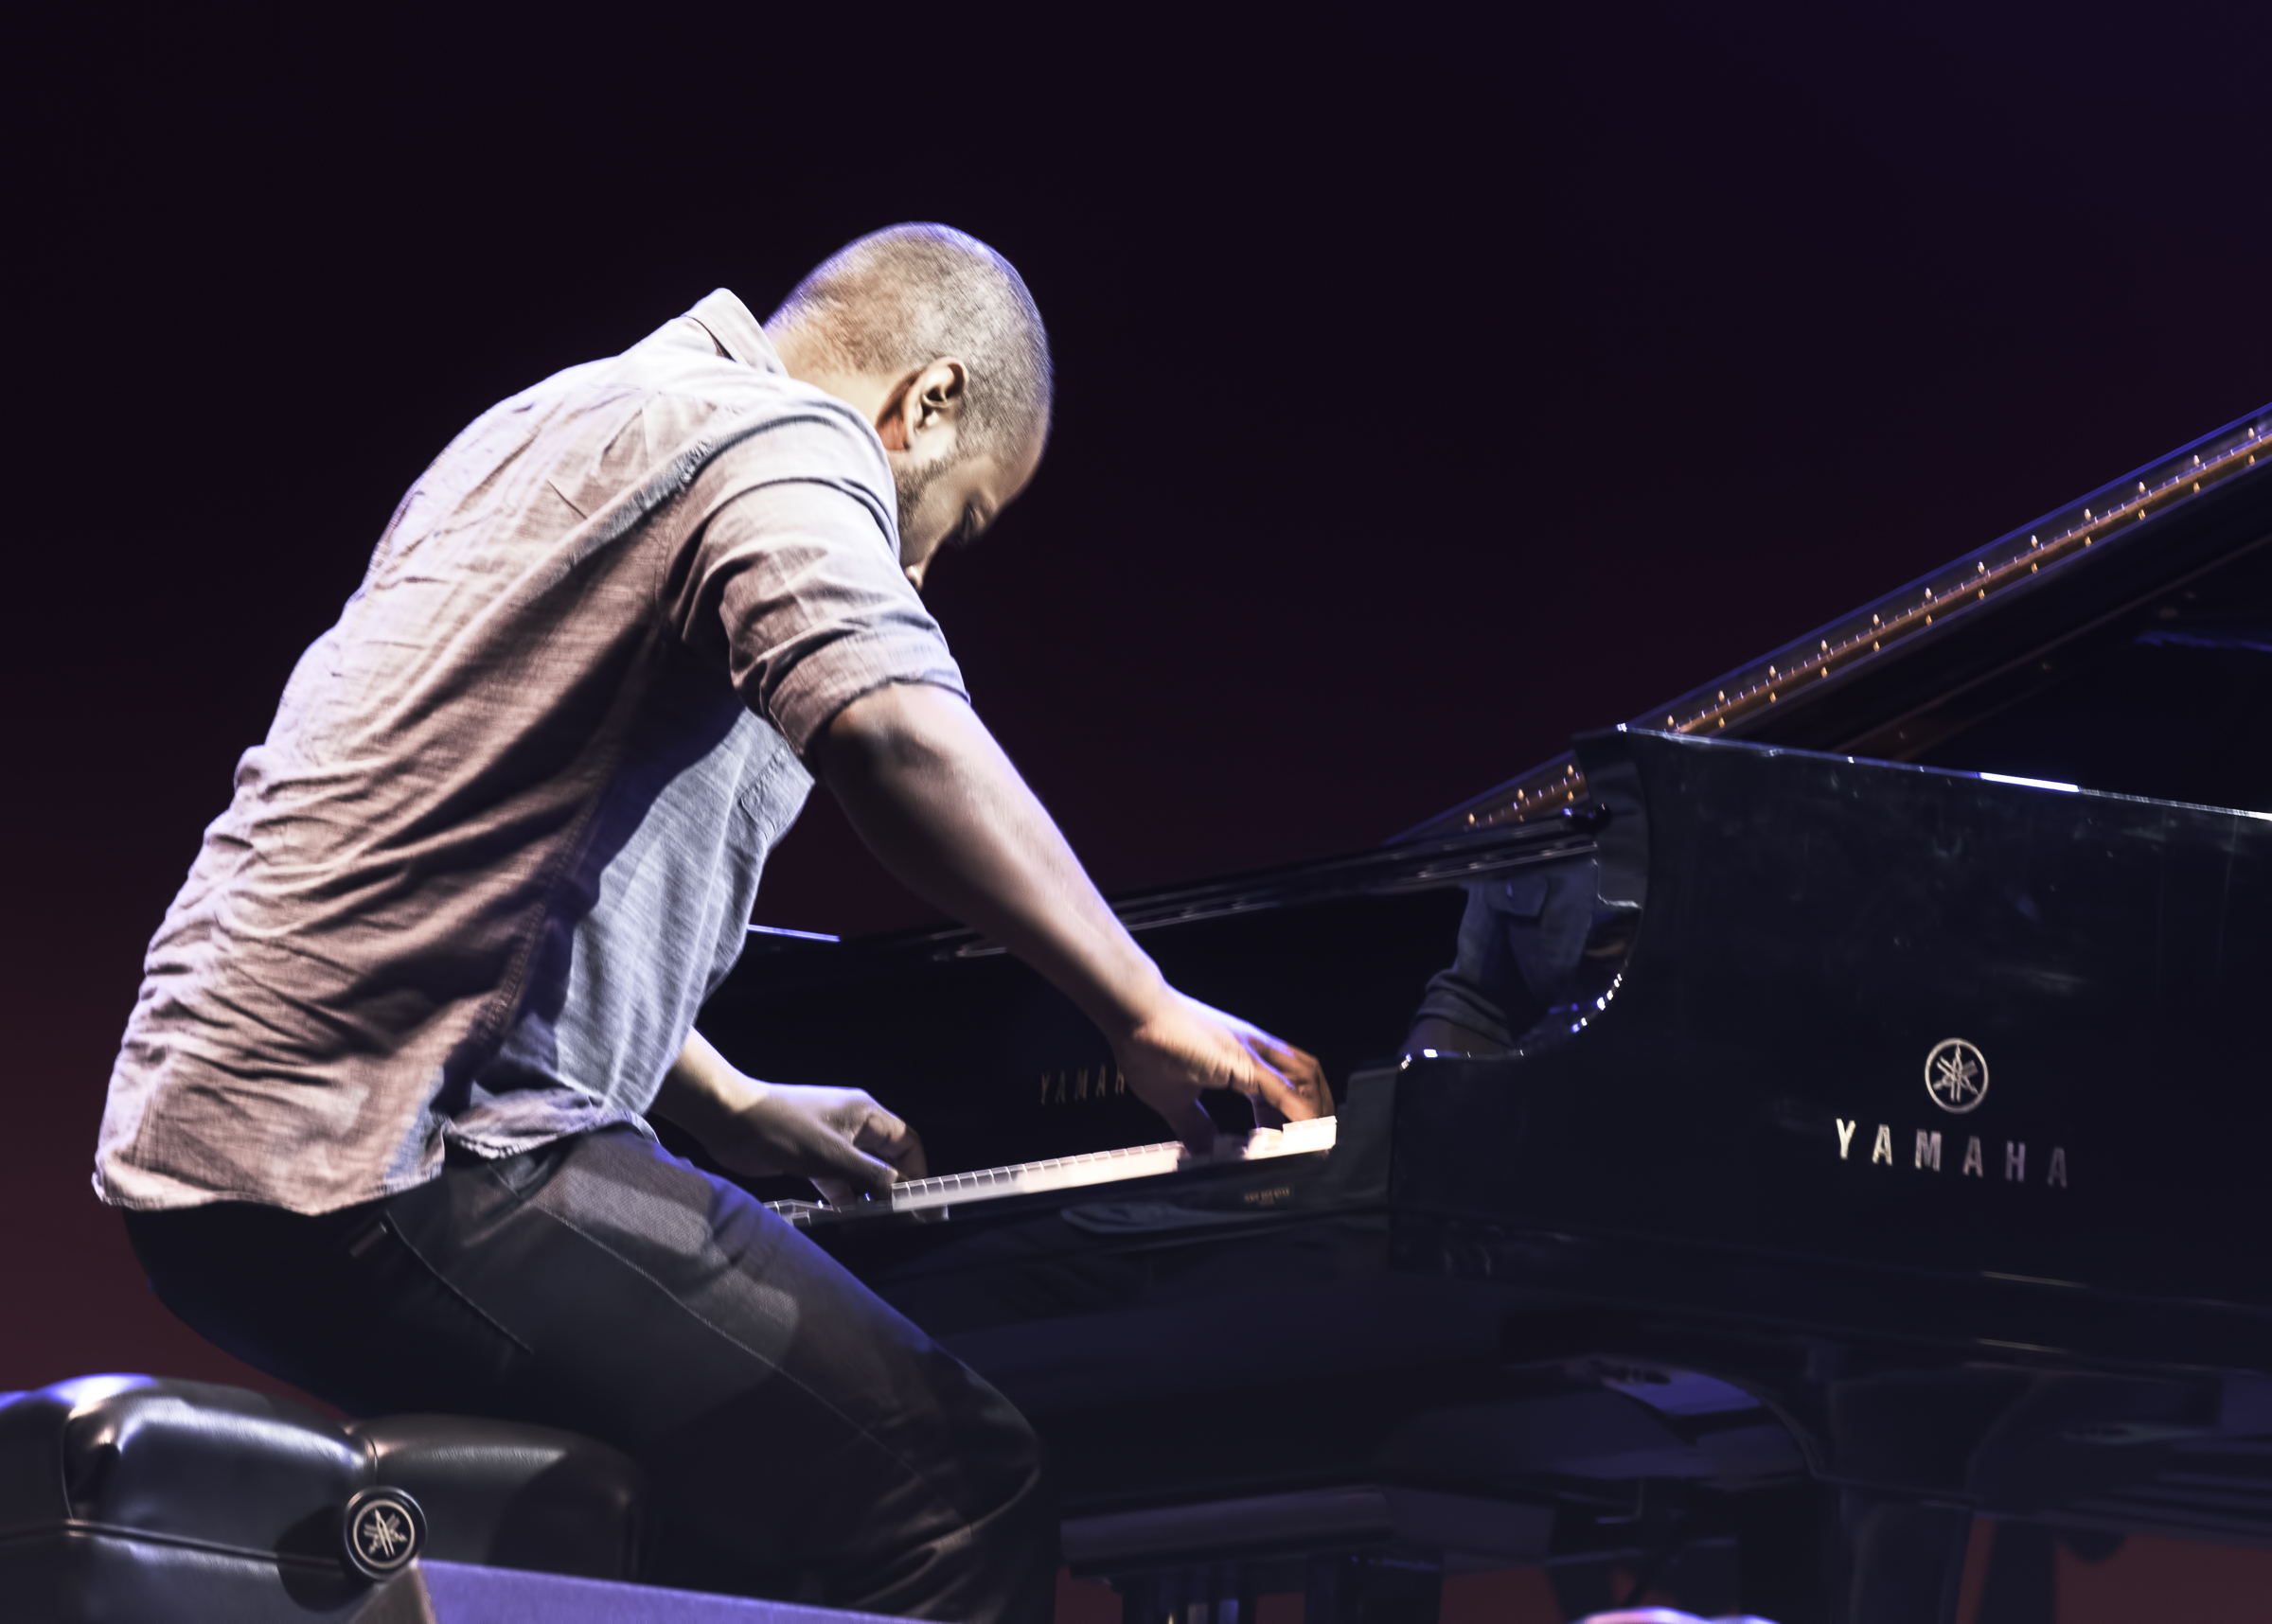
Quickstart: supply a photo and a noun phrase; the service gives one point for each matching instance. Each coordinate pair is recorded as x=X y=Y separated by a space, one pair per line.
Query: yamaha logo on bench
x=383 y=1529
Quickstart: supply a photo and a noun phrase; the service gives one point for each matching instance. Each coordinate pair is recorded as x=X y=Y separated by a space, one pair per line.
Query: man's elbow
x=886 y=730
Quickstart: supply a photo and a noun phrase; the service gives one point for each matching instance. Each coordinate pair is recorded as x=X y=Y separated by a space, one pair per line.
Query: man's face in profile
x=948 y=500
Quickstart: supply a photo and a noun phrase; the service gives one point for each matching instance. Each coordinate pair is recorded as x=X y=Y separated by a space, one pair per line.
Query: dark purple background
x=1432 y=387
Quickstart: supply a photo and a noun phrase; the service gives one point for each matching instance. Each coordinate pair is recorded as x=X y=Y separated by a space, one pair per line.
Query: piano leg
x=1355 y=1590
x=1810 y=1555
x=1224 y=1593
x=1904 y=1560
x=1784 y=1539
x=1152 y=1598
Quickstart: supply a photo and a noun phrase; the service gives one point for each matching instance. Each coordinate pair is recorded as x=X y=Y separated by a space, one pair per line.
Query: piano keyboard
x=1072 y=1172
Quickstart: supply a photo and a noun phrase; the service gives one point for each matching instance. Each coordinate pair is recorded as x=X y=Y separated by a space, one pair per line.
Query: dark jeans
x=800 y=1439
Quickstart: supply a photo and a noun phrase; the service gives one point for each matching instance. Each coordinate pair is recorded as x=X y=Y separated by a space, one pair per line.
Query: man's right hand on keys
x=1186 y=1048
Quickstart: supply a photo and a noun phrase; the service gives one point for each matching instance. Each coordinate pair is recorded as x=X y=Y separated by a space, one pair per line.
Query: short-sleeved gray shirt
x=505 y=833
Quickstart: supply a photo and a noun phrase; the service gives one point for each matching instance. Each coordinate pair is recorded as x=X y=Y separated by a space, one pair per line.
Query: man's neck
x=809 y=362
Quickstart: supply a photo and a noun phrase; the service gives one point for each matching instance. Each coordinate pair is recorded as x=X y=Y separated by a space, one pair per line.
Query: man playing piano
x=377 y=1119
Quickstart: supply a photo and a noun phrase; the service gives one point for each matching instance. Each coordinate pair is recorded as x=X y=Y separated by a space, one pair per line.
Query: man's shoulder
x=737 y=405
x=673 y=408
x=763 y=428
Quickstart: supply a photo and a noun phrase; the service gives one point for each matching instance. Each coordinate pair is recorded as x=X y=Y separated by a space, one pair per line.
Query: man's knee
x=1014 y=1535
x=1000 y=1449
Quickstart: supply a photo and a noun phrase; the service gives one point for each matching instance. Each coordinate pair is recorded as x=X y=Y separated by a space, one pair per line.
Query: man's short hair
x=908 y=295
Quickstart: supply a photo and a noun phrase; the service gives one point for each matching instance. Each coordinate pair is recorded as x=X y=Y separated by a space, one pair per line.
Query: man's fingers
x=1193 y=1125
x=1208 y=1049
x=1309 y=1079
x=1294 y=1072
x=1297 y=1065
x=886 y=1136
x=1273 y=1090
x=1299 y=1069
x=852 y=1170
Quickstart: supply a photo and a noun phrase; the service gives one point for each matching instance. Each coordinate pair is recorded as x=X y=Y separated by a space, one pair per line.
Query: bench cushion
x=501 y=1494
x=119 y=1494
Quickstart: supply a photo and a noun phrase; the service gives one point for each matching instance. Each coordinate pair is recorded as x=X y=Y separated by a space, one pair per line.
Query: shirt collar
x=735 y=331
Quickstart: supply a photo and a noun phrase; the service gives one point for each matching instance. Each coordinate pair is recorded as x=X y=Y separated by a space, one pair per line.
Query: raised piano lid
x=2042 y=607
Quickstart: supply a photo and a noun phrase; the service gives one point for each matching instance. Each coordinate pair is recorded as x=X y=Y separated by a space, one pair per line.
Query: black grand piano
x=1833 y=1105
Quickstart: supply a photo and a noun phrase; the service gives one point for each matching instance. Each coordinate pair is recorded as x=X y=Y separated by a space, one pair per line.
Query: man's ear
x=928 y=401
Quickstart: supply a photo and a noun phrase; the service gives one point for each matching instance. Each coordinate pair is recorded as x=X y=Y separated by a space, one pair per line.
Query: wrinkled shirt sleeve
x=796 y=584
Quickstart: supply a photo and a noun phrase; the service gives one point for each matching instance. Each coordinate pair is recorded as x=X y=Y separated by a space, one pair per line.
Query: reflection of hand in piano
x=1186 y=1047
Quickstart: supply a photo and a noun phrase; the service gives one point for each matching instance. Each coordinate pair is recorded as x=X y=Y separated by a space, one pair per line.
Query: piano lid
x=1900 y=678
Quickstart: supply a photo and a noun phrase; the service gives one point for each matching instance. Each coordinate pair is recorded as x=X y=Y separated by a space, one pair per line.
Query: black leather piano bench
x=130 y=1500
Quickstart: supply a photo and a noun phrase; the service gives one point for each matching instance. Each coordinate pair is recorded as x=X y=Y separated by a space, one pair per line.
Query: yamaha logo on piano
x=1956 y=1075
x=1956 y=1078
x=1072 y=1087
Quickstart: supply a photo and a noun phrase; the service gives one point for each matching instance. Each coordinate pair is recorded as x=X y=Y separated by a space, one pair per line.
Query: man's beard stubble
x=912 y=483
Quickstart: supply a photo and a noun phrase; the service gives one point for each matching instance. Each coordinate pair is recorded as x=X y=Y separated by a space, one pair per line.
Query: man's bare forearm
x=703 y=1092
x=936 y=799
